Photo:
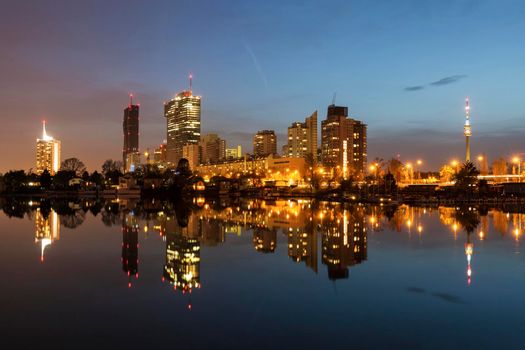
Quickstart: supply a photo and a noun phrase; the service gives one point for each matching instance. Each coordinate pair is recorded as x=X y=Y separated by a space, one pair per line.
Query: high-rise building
x=193 y=154
x=130 y=127
x=264 y=143
x=159 y=155
x=234 y=153
x=213 y=149
x=302 y=138
x=183 y=117
x=343 y=142
x=47 y=153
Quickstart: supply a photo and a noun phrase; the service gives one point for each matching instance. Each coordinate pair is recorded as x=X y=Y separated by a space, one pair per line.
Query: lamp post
x=409 y=166
x=454 y=164
x=419 y=162
x=517 y=160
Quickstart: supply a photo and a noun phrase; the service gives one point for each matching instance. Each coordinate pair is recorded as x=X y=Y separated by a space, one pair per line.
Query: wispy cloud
x=414 y=88
x=448 y=80
x=443 y=81
x=256 y=64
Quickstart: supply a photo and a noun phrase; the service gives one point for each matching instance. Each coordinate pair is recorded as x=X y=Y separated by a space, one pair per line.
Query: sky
x=403 y=67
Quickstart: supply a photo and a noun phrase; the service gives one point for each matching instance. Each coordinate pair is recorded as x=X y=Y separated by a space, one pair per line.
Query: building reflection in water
x=302 y=245
x=130 y=246
x=331 y=233
x=344 y=241
x=264 y=239
x=182 y=267
x=47 y=229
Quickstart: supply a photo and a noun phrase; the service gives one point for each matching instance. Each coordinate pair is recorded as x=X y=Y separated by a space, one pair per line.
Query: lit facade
x=264 y=143
x=47 y=153
x=192 y=153
x=282 y=167
x=183 y=118
x=343 y=141
x=302 y=138
x=213 y=148
x=130 y=127
x=159 y=155
x=233 y=153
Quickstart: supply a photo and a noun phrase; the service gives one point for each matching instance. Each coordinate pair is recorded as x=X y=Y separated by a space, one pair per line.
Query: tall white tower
x=466 y=130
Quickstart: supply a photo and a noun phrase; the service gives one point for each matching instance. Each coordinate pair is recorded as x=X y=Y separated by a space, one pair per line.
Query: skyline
x=265 y=72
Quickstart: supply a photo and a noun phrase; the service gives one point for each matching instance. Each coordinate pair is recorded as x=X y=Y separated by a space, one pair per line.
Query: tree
x=14 y=180
x=96 y=178
x=73 y=164
x=466 y=177
x=111 y=166
x=395 y=167
x=446 y=173
x=62 y=177
x=45 y=179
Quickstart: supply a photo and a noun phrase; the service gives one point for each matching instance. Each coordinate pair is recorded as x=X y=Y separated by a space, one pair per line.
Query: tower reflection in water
x=47 y=229
x=130 y=246
x=182 y=267
x=330 y=233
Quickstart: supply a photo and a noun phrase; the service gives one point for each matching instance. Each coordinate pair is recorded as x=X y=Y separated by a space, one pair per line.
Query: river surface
x=260 y=274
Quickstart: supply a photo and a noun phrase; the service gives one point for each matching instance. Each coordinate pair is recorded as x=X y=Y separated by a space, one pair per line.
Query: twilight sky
x=404 y=67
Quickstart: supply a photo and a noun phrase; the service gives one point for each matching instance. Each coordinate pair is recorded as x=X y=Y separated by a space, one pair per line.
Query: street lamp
x=517 y=160
x=409 y=166
x=419 y=162
x=454 y=164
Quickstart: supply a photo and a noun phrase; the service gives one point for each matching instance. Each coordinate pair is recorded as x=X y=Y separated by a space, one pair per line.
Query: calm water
x=254 y=274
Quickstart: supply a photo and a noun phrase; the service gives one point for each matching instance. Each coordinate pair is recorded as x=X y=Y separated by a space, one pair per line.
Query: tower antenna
x=191 y=78
x=467 y=130
x=333 y=98
x=130 y=99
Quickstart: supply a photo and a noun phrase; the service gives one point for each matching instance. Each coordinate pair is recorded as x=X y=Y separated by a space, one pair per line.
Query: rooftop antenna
x=333 y=98
x=191 y=77
x=130 y=99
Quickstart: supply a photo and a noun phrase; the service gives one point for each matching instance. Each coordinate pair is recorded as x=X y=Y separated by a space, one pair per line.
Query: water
x=285 y=274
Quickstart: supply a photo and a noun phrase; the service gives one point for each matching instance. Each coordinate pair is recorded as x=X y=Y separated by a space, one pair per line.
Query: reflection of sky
x=410 y=293
x=403 y=67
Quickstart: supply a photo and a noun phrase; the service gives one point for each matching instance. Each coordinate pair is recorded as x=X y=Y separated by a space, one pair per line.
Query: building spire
x=190 y=78
x=131 y=99
x=44 y=134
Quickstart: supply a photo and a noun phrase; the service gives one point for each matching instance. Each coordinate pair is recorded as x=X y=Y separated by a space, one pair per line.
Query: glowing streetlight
x=517 y=160
x=419 y=162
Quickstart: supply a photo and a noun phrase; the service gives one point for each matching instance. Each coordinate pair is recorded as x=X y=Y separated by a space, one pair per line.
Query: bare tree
x=73 y=164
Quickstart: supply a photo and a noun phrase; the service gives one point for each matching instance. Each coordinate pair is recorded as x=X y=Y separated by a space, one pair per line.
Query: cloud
x=443 y=81
x=414 y=88
x=256 y=64
x=448 y=80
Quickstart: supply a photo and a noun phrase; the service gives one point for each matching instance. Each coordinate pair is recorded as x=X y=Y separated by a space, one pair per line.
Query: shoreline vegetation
x=181 y=183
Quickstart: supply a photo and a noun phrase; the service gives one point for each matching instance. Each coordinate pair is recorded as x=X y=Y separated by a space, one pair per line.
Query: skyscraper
x=130 y=127
x=302 y=138
x=343 y=141
x=264 y=143
x=183 y=117
x=47 y=153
